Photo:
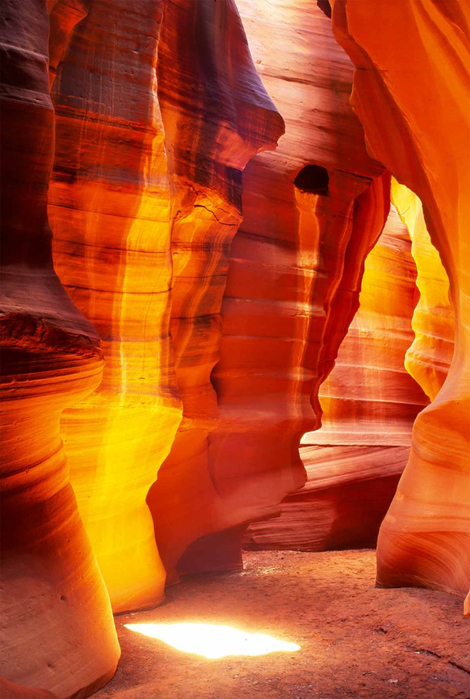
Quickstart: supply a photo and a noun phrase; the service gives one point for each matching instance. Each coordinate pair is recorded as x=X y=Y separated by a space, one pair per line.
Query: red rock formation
x=57 y=628
x=159 y=109
x=216 y=116
x=396 y=47
x=110 y=209
x=370 y=399
x=369 y=404
x=429 y=357
x=10 y=690
x=121 y=175
x=292 y=256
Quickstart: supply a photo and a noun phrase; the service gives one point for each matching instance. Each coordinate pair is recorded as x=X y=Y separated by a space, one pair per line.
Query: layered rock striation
x=425 y=537
x=217 y=333
x=57 y=628
x=369 y=403
x=312 y=210
x=109 y=205
x=429 y=357
x=216 y=116
x=11 y=690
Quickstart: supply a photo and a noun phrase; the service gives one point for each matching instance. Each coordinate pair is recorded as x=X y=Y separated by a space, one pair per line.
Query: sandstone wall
x=420 y=135
x=216 y=115
x=292 y=288
x=158 y=110
x=429 y=357
x=57 y=628
x=369 y=403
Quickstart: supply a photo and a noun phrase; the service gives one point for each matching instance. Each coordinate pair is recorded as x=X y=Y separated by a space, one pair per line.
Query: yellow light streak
x=213 y=641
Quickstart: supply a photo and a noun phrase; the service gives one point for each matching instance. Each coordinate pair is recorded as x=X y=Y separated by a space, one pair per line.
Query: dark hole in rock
x=313 y=179
x=325 y=7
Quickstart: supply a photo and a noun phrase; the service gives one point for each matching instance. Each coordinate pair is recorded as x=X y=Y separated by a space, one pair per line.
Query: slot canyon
x=235 y=349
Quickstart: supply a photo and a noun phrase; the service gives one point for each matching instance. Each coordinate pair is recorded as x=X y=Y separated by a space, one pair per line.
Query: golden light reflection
x=213 y=641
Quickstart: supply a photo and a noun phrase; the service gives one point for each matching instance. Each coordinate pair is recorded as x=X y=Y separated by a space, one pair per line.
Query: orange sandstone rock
x=110 y=208
x=297 y=256
x=290 y=353
x=145 y=199
x=411 y=91
x=10 y=690
x=369 y=403
x=216 y=116
x=429 y=357
x=369 y=399
x=57 y=627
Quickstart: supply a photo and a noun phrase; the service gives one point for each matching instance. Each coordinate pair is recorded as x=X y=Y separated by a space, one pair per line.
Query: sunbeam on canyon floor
x=213 y=641
x=356 y=640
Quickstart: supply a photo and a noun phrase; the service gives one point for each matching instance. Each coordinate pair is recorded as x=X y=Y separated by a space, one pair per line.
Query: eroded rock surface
x=292 y=288
x=57 y=629
x=110 y=209
x=369 y=404
x=410 y=86
x=216 y=115
x=429 y=357
x=217 y=339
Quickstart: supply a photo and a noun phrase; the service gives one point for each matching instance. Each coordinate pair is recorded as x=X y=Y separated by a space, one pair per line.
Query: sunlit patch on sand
x=213 y=641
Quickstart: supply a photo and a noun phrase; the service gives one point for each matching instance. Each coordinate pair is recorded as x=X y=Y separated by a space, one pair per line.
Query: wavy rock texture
x=10 y=690
x=370 y=399
x=158 y=109
x=110 y=208
x=425 y=537
x=57 y=628
x=216 y=116
x=297 y=255
x=429 y=357
x=369 y=403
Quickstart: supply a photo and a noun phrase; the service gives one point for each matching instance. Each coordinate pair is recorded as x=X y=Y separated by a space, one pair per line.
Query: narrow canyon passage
x=234 y=349
x=355 y=640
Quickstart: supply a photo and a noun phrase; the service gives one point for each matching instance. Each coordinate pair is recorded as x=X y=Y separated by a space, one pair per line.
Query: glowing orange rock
x=216 y=116
x=144 y=210
x=110 y=208
x=369 y=398
x=398 y=48
x=429 y=357
x=299 y=252
x=369 y=403
x=57 y=628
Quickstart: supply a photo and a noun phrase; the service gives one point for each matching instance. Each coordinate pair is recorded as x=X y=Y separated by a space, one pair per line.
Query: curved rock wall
x=370 y=398
x=216 y=115
x=217 y=340
x=297 y=257
x=57 y=628
x=425 y=537
x=158 y=109
x=429 y=357
x=369 y=403
x=110 y=208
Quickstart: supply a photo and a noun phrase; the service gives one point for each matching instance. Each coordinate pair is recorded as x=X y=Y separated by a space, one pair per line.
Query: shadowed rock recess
x=234 y=305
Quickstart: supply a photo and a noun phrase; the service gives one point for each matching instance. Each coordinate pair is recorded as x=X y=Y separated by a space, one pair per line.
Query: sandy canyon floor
x=355 y=640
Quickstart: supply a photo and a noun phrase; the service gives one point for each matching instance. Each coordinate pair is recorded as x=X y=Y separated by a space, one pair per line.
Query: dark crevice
x=325 y=7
